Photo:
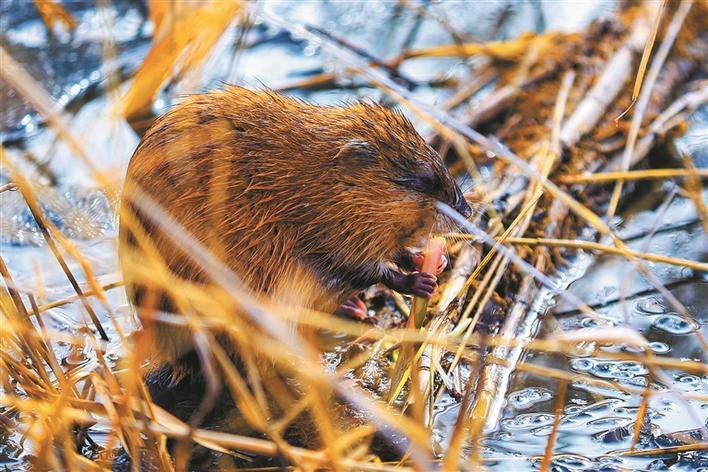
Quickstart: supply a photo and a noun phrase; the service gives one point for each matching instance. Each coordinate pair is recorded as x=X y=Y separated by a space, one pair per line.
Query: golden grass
x=557 y=414
x=185 y=33
x=672 y=32
x=53 y=13
x=645 y=174
x=645 y=58
x=592 y=246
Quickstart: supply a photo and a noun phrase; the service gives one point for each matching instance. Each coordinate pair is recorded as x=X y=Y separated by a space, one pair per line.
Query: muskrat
x=269 y=183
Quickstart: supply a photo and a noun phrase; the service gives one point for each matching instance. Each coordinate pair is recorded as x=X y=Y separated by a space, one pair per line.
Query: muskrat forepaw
x=422 y=284
x=353 y=308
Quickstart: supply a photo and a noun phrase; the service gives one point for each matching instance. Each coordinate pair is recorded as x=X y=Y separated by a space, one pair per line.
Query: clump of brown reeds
x=556 y=115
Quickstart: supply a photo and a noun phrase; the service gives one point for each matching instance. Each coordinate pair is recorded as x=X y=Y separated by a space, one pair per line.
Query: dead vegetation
x=565 y=132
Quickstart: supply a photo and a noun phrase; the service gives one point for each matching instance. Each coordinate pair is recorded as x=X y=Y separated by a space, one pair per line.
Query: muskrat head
x=401 y=171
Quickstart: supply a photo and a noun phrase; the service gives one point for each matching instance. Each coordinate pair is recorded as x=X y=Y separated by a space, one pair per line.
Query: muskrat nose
x=461 y=206
x=464 y=209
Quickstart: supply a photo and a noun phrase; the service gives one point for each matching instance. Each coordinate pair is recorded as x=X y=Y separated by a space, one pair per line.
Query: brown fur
x=271 y=184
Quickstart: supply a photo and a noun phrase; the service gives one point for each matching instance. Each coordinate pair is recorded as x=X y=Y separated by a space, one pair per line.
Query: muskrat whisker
x=448 y=227
x=469 y=185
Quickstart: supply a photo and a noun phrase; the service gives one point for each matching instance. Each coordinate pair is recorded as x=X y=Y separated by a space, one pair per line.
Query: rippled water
x=595 y=428
x=596 y=420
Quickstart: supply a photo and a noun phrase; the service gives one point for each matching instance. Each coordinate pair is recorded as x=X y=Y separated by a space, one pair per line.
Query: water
x=600 y=420
x=596 y=420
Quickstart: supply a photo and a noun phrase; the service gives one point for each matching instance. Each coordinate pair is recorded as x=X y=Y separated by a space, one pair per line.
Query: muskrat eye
x=428 y=184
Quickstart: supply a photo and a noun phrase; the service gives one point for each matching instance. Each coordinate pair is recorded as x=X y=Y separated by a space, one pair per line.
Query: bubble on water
x=650 y=306
x=639 y=381
x=604 y=322
x=581 y=364
x=606 y=370
x=527 y=421
x=658 y=347
x=77 y=356
x=529 y=396
x=673 y=324
x=690 y=382
x=624 y=375
x=112 y=356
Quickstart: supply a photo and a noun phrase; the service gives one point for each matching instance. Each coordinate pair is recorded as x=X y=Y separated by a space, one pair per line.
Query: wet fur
x=273 y=186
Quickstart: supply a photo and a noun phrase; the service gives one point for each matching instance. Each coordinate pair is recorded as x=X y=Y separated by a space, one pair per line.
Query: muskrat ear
x=357 y=151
